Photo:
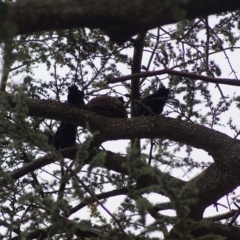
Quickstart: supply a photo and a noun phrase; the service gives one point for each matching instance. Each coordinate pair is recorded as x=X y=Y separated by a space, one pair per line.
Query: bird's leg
x=151 y=150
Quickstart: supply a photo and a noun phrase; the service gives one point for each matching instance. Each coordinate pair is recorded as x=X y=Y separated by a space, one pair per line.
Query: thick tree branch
x=232 y=233
x=219 y=229
x=112 y=162
x=221 y=147
x=211 y=185
x=120 y=19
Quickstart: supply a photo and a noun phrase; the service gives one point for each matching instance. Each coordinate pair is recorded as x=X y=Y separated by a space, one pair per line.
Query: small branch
x=235 y=216
x=221 y=216
x=100 y=196
x=96 y=199
x=157 y=216
x=113 y=161
x=207 y=41
x=36 y=185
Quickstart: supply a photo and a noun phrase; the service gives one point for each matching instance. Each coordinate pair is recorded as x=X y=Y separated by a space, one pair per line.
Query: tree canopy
x=173 y=166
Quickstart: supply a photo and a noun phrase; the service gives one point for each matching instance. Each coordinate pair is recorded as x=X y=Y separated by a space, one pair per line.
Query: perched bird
x=155 y=102
x=75 y=96
x=65 y=136
x=108 y=106
x=66 y=133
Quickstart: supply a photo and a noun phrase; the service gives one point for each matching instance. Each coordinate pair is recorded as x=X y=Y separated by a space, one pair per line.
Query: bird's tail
x=172 y=101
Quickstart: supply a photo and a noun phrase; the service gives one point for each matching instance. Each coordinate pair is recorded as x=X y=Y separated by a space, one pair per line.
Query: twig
x=96 y=199
x=235 y=216
x=100 y=196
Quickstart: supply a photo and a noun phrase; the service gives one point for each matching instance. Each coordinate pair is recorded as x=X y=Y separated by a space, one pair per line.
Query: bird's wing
x=57 y=137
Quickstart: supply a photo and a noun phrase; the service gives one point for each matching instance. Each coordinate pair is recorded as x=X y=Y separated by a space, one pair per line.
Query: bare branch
x=222 y=216
x=227 y=81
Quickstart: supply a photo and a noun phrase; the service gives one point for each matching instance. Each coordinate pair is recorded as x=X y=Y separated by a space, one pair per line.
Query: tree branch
x=120 y=19
x=113 y=161
x=227 y=81
x=222 y=216
x=86 y=201
x=224 y=149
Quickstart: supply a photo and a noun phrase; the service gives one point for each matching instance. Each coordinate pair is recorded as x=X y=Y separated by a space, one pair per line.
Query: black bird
x=65 y=136
x=155 y=102
x=66 y=133
x=75 y=96
x=121 y=100
x=108 y=106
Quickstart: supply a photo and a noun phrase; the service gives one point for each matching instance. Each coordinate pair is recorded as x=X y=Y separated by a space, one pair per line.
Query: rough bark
x=120 y=19
x=224 y=149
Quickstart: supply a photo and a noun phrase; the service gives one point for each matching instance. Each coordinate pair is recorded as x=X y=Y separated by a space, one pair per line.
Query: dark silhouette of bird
x=121 y=100
x=108 y=106
x=155 y=102
x=65 y=136
x=66 y=133
x=75 y=96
